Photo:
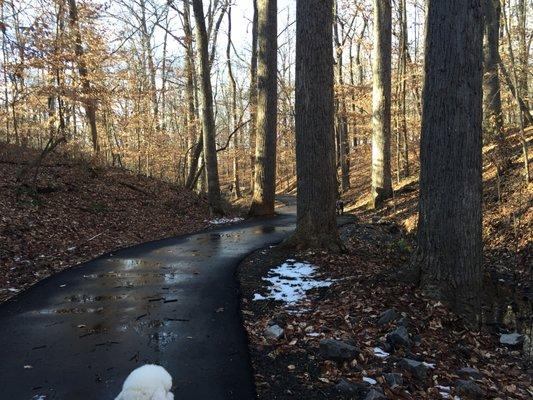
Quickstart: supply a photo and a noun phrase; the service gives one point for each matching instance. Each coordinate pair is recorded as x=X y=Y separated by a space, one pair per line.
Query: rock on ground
x=337 y=350
x=416 y=368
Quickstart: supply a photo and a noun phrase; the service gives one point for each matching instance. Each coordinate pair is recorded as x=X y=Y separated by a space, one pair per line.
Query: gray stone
x=416 y=368
x=387 y=316
x=375 y=394
x=468 y=372
x=403 y=322
x=337 y=350
x=355 y=390
x=393 y=379
x=274 y=332
x=400 y=337
x=469 y=389
x=512 y=339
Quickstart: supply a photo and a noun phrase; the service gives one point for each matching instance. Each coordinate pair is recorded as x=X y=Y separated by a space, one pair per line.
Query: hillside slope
x=76 y=211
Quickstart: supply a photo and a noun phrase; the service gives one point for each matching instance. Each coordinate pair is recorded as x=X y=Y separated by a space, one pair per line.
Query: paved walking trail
x=174 y=302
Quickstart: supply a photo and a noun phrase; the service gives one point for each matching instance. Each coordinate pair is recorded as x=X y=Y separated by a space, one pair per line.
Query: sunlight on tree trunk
x=267 y=99
x=315 y=142
x=381 y=100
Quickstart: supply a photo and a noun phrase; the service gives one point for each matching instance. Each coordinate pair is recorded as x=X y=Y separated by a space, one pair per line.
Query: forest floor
x=76 y=211
x=350 y=293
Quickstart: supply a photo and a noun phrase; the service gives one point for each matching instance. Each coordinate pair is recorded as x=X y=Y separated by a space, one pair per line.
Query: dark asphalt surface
x=174 y=302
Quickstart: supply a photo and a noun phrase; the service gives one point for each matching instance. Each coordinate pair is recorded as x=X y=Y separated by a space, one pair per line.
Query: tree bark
x=315 y=141
x=267 y=98
x=381 y=104
x=449 y=253
x=208 y=119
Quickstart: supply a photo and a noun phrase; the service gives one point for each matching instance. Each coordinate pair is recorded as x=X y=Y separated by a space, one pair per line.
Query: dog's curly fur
x=149 y=382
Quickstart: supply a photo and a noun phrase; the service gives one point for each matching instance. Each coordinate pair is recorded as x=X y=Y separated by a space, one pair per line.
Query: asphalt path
x=173 y=302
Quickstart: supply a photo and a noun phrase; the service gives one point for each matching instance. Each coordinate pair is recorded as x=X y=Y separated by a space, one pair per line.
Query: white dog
x=149 y=382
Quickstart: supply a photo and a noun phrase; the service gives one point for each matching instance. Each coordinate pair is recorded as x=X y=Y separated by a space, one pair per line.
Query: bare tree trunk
x=449 y=253
x=315 y=142
x=233 y=116
x=360 y=72
x=208 y=119
x=492 y=116
x=253 y=96
x=147 y=46
x=342 y=123
x=492 y=104
x=267 y=99
x=89 y=101
x=523 y=51
x=194 y=141
x=381 y=104
x=528 y=118
x=4 y=67
x=518 y=108
x=404 y=149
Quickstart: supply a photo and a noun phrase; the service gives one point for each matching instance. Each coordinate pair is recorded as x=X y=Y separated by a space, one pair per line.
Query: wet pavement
x=174 y=302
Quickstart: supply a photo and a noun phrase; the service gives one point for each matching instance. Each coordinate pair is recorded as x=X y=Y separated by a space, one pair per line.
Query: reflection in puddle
x=130 y=263
x=74 y=310
x=162 y=339
x=265 y=229
x=89 y=299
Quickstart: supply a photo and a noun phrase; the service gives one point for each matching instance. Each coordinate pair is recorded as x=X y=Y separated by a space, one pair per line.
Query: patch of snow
x=313 y=334
x=444 y=391
x=290 y=281
x=225 y=220
x=380 y=353
x=13 y=290
x=39 y=397
x=431 y=366
x=369 y=380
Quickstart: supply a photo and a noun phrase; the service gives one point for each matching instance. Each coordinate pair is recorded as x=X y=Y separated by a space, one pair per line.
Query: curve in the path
x=77 y=335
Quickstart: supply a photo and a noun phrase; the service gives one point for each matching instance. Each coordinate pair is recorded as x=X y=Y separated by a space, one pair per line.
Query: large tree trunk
x=315 y=141
x=253 y=96
x=208 y=119
x=89 y=101
x=267 y=99
x=449 y=252
x=381 y=104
